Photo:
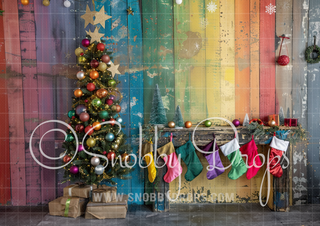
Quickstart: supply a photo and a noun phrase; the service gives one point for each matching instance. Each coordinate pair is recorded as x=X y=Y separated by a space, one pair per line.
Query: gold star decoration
x=130 y=11
x=101 y=17
x=114 y=69
x=88 y=16
x=95 y=36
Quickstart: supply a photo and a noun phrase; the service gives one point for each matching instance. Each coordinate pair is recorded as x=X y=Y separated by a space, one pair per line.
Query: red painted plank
x=15 y=102
x=5 y=190
x=267 y=59
x=30 y=98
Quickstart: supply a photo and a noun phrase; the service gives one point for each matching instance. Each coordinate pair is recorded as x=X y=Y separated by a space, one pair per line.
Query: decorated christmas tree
x=158 y=113
x=97 y=100
x=178 y=119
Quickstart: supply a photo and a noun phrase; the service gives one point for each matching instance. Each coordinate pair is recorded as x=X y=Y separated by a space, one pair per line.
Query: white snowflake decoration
x=204 y=22
x=271 y=9
x=212 y=7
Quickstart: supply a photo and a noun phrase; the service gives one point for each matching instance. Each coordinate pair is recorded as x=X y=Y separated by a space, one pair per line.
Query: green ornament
x=71 y=113
x=207 y=123
x=103 y=114
x=96 y=102
x=81 y=59
x=69 y=138
x=111 y=83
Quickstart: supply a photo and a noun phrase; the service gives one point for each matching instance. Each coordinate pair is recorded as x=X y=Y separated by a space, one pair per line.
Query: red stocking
x=278 y=147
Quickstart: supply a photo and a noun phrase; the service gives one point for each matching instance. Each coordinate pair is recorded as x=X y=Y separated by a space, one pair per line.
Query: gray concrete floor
x=204 y=214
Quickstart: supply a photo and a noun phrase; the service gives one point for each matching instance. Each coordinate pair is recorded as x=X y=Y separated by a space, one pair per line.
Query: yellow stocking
x=148 y=157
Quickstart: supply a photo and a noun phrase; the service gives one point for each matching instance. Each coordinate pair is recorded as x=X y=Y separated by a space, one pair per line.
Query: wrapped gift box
x=275 y=117
x=114 y=209
x=76 y=190
x=290 y=122
x=104 y=194
x=67 y=207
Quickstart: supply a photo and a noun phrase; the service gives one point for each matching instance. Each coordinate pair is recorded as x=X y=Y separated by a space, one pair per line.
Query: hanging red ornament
x=100 y=46
x=283 y=60
x=79 y=128
x=109 y=102
x=112 y=120
x=111 y=155
x=94 y=63
x=105 y=58
x=66 y=158
x=87 y=129
x=91 y=87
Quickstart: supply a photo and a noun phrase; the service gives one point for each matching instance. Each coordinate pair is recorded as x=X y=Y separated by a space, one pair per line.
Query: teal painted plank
x=165 y=55
x=136 y=90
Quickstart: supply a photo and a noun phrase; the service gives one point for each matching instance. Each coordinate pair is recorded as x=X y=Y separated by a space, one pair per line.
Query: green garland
x=311 y=49
x=295 y=135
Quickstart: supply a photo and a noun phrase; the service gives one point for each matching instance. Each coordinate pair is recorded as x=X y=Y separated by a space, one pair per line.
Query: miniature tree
x=246 y=120
x=178 y=119
x=281 y=116
x=158 y=113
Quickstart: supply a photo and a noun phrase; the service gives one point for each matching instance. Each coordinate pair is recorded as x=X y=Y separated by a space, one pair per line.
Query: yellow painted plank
x=196 y=49
x=213 y=64
x=227 y=59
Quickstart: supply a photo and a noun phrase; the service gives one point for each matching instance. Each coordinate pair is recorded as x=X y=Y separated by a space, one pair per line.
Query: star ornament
x=95 y=36
x=114 y=69
x=101 y=17
x=88 y=16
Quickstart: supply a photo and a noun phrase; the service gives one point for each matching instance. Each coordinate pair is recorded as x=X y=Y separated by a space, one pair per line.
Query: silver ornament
x=80 y=75
x=120 y=120
x=99 y=169
x=67 y=3
x=62 y=154
x=178 y=2
x=95 y=161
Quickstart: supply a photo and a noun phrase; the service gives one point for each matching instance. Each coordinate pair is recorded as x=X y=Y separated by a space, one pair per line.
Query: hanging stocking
x=231 y=150
x=215 y=164
x=278 y=147
x=147 y=153
x=250 y=149
x=190 y=158
x=171 y=159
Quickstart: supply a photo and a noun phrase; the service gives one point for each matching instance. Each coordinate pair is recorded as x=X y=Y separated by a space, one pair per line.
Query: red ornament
x=283 y=60
x=79 y=128
x=73 y=117
x=256 y=120
x=109 y=102
x=81 y=54
x=105 y=59
x=91 y=87
x=94 y=63
x=112 y=120
x=103 y=120
x=66 y=158
x=84 y=116
x=111 y=155
x=86 y=101
x=86 y=130
x=100 y=46
x=104 y=152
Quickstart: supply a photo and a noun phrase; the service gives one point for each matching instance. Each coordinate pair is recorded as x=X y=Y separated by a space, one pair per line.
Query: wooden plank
x=313 y=108
x=213 y=54
x=284 y=73
x=299 y=96
x=254 y=58
x=242 y=58
x=165 y=55
x=181 y=60
x=227 y=59
x=30 y=98
x=267 y=60
x=47 y=41
x=196 y=49
x=5 y=189
x=150 y=54
x=136 y=89
x=15 y=103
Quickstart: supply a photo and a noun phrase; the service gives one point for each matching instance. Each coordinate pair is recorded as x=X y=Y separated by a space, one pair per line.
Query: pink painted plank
x=15 y=102
x=267 y=60
x=30 y=97
x=5 y=189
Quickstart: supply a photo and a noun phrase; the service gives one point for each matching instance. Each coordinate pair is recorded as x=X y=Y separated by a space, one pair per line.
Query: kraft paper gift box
x=67 y=207
x=114 y=209
x=104 y=194
x=291 y=122
x=274 y=117
x=76 y=190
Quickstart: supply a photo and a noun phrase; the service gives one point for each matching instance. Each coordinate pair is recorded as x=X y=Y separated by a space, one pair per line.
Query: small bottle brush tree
x=96 y=100
x=178 y=119
x=158 y=113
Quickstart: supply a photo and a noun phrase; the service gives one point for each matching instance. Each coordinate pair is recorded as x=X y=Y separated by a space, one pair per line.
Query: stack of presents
x=95 y=203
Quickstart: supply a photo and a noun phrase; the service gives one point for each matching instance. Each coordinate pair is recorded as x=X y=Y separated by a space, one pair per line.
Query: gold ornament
x=113 y=108
x=101 y=93
x=188 y=124
x=24 y=2
x=95 y=36
x=102 y=66
x=125 y=157
x=97 y=124
x=117 y=141
x=114 y=69
x=46 y=2
x=171 y=124
x=115 y=146
x=78 y=51
x=101 y=17
x=88 y=16
x=272 y=123
x=78 y=93
x=91 y=142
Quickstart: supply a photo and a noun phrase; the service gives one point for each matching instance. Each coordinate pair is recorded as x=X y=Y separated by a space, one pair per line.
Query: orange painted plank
x=15 y=102
x=242 y=58
x=254 y=58
x=267 y=59
x=5 y=190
